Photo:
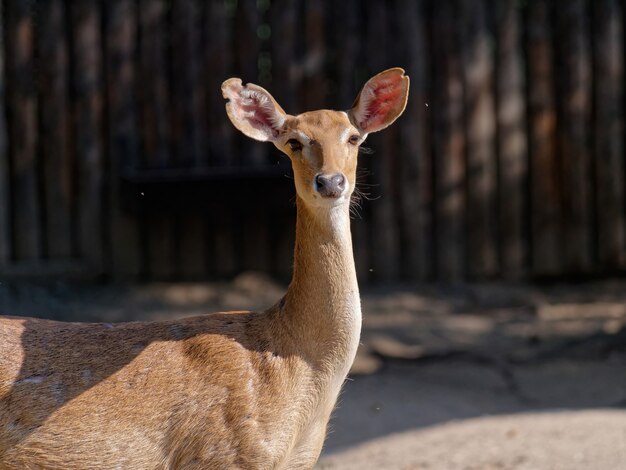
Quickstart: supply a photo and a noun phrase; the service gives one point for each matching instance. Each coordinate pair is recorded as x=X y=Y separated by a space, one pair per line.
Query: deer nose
x=331 y=186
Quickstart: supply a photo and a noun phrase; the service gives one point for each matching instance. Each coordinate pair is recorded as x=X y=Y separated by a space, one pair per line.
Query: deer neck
x=322 y=304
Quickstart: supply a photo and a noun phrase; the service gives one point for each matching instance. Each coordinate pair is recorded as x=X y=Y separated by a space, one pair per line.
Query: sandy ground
x=460 y=415
x=479 y=377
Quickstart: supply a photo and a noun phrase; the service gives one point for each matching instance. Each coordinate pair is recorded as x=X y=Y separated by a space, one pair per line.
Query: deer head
x=322 y=145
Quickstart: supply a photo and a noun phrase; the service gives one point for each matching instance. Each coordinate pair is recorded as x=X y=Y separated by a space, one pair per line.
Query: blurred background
x=491 y=245
x=117 y=160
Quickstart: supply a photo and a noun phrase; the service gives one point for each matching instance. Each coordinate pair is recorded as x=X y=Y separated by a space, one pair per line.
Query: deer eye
x=354 y=139
x=295 y=145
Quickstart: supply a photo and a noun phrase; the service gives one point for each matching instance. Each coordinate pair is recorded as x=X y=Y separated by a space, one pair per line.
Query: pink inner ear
x=382 y=98
x=257 y=110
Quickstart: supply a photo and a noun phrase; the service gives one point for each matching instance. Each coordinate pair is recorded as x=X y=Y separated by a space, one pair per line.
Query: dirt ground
x=468 y=377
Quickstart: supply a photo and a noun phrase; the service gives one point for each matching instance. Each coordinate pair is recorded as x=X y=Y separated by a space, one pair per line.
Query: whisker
x=365 y=195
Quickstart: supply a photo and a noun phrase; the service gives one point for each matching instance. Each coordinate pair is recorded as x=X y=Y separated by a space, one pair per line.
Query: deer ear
x=381 y=101
x=253 y=110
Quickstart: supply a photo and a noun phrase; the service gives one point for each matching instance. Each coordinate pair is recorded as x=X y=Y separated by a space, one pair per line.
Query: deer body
x=248 y=390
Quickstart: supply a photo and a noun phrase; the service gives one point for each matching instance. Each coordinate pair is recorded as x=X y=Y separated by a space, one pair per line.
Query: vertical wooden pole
x=385 y=241
x=480 y=140
x=122 y=143
x=153 y=88
x=186 y=122
x=21 y=99
x=314 y=66
x=218 y=66
x=55 y=137
x=283 y=22
x=449 y=145
x=5 y=192
x=247 y=48
x=423 y=91
x=390 y=165
x=348 y=50
x=608 y=49
x=152 y=83
x=574 y=112
x=188 y=127
x=87 y=128
x=283 y=17
x=414 y=158
x=545 y=199
x=512 y=142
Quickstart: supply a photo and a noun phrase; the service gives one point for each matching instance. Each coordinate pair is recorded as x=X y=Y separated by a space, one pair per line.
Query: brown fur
x=248 y=390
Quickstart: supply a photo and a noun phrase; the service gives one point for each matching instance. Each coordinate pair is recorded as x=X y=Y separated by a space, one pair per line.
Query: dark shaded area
x=205 y=190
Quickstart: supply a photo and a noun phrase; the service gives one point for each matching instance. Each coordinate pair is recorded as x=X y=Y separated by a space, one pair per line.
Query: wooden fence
x=117 y=159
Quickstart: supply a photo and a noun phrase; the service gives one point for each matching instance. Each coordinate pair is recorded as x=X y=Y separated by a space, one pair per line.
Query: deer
x=229 y=390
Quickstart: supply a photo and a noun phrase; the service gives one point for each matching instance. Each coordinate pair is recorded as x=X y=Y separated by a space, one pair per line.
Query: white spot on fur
x=33 y=379
x=339 y=216
x=304 y=139
x=250 y=387
x=345 y=134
